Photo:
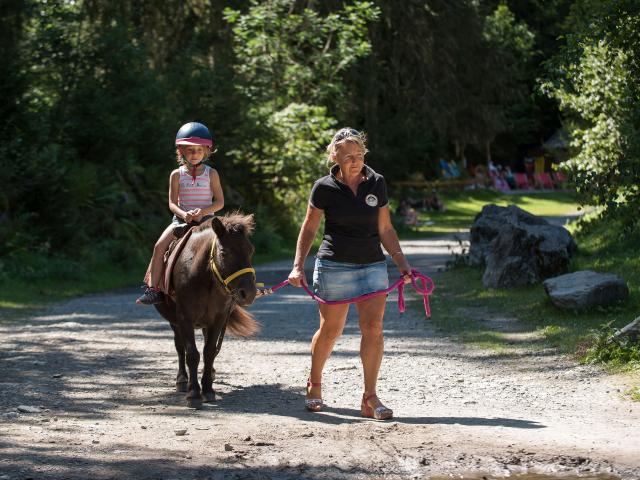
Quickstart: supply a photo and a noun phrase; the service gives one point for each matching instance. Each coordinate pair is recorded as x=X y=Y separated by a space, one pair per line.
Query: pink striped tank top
x=192 y=195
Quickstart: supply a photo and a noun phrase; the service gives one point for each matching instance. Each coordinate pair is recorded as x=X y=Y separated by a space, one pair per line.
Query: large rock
x=585 y=290
x=517 y=247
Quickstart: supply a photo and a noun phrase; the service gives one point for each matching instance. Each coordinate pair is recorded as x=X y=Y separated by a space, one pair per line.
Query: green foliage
x=504 y=101
x=291 y=54
x=290 y=66
x=604 y=349
x=596 y=79
x=462 y=305
x=93 y=93
x=265 y=238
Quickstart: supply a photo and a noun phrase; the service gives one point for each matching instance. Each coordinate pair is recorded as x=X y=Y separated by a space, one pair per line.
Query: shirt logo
x=371 y=200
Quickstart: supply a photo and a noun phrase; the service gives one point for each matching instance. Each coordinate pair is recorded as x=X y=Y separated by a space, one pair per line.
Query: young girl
x=192 y=187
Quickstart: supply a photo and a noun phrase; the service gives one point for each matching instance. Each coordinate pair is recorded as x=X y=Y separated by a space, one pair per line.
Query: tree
x=290 y=62
x=504 y=99
x=596 y=79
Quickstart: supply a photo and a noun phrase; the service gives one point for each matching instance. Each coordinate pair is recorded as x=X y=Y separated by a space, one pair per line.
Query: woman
x=350 y=262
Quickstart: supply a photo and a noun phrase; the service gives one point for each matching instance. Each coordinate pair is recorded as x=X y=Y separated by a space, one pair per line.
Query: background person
x=353 y=200
x=407 y=212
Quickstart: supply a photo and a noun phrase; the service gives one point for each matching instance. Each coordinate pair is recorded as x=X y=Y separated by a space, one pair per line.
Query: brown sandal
x=313 y=404
x=378 y=413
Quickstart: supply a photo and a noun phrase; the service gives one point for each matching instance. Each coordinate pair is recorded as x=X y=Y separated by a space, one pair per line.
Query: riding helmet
x=194 y=133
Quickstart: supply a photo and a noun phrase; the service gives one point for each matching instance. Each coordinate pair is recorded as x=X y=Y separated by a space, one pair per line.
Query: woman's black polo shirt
x=351 y=221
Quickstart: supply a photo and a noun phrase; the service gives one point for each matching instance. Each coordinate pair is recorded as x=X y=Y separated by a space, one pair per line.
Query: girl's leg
x=157 y=259
x=332 y=320
x=371 y=313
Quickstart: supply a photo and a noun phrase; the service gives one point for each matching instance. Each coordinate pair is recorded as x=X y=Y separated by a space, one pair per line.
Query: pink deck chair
x=545 y=180
x=522 y=182
x=560 y=178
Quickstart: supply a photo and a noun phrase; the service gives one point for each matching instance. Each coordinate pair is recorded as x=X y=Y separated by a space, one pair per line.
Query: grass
x=464 y=308
x=21 y=295
x=29 y=291
x=462 y=207
x=18 y=295
x=634 y=394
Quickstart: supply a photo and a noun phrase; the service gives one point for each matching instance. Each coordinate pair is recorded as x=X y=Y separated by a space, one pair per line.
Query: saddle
x=182 y=233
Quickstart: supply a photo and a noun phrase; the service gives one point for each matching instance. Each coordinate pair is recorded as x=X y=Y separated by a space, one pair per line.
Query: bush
x=604 y=349
x=266 y=238
x=32 y=266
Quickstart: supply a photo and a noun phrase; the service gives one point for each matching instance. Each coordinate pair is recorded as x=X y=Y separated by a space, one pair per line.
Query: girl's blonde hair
x=344 y=135
x=180 y=158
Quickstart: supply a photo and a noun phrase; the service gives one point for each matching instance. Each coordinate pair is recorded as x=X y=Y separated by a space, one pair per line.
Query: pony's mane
x=233 y=222
x=238 y=222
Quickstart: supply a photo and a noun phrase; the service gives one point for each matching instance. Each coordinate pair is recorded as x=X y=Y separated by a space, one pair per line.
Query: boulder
x=585 y=289
x=518 y=248
x=509 y=263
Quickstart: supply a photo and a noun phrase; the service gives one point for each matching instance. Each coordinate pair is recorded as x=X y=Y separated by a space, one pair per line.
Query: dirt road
x=98 y=374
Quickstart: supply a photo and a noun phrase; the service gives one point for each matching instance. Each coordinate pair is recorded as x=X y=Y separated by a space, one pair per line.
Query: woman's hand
x=404 y=267
x=296 y=277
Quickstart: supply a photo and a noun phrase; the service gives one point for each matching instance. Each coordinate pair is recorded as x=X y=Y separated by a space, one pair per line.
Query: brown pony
x=203 y=300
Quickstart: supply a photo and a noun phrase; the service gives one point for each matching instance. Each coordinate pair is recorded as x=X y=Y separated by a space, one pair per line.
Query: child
x=192 y=187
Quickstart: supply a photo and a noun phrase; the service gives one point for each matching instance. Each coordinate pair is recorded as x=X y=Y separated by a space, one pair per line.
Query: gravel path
x=98 y=374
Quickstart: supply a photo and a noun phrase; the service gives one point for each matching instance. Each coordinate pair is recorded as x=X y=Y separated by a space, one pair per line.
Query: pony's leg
x=182 y=378
x=205 y=333
x=194 y=399
x=211 y=336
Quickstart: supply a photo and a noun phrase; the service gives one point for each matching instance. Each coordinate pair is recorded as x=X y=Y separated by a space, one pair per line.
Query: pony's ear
x=218 y=227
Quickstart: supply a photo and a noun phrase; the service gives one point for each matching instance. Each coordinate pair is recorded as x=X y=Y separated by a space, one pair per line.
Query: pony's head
x=231 y=253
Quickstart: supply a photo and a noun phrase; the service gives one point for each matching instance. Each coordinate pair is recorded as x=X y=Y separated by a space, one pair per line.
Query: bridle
x=225 y=281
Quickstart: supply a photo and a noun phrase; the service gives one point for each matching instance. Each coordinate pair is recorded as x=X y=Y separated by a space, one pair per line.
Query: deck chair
x=545 y=180
x=522 y=182
x=560 y=179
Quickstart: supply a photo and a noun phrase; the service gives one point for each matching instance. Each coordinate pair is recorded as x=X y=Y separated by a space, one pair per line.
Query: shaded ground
x=101 y=371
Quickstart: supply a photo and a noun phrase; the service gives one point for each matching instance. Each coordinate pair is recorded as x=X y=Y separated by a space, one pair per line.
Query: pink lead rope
x=427 y=289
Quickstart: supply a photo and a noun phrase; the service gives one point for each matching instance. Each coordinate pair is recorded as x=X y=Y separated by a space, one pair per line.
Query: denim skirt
x=339 y=280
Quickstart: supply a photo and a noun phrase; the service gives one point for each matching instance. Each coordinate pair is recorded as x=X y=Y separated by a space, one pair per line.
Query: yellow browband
x=225 y=281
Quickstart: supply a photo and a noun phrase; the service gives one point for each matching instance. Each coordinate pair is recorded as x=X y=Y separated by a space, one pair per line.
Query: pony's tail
x=242 y=323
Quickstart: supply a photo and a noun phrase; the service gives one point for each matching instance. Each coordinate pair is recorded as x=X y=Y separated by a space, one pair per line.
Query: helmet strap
x=193 y=171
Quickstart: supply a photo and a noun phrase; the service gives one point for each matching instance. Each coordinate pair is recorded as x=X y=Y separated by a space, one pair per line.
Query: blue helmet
x=194 y=133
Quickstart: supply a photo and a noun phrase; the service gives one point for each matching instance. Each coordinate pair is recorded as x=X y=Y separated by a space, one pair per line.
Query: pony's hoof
x=209 y=397
x=181 y=387
x=194 y=403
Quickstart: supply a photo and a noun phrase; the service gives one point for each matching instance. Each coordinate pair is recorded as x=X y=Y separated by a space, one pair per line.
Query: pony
x=212 y=281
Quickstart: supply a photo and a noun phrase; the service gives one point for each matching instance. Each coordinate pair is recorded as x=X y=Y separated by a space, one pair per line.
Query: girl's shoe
x=313 y=404
x=151 y=296
x=379 y=413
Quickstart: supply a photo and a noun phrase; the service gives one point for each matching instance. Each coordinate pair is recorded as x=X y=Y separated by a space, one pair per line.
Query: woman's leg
x=332 y=320
x=371 y=313
x=157 y=259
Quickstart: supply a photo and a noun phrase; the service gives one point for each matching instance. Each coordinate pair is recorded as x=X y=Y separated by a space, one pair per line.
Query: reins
x=225 y=281
x=425 y=290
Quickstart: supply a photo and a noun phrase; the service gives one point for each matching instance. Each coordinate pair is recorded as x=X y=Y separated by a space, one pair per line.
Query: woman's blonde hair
x=344 y=135
x=180 y=158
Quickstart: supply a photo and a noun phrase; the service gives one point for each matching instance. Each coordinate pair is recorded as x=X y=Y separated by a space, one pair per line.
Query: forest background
x=92 y=93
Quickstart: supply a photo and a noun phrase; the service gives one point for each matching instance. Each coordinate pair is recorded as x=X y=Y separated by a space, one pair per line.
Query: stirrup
x=313 y=404
x=378 y=413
